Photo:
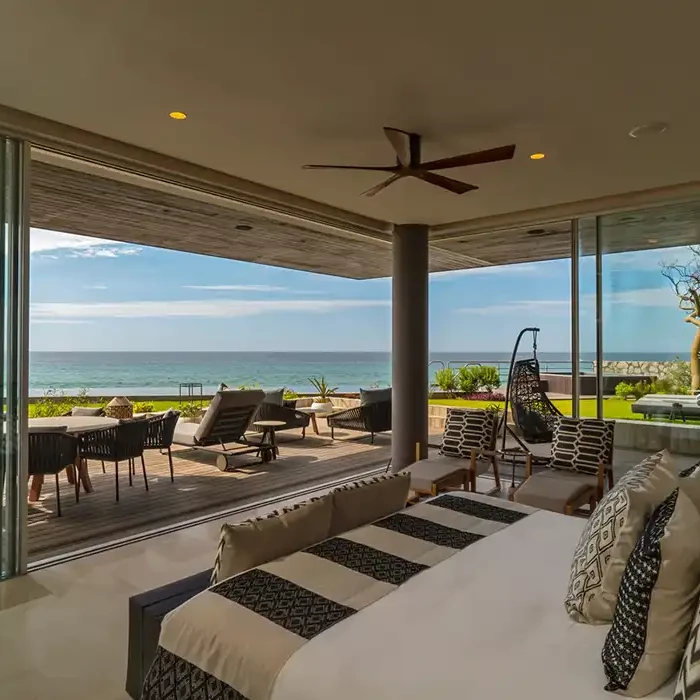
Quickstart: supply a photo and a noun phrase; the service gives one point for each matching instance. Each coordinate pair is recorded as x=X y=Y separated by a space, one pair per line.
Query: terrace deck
x=199 y=489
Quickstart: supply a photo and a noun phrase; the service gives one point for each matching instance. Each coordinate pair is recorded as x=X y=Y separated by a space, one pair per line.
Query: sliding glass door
x=14 y=316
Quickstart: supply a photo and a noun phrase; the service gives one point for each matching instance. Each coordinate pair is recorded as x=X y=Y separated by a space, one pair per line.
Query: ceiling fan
x=408 y=163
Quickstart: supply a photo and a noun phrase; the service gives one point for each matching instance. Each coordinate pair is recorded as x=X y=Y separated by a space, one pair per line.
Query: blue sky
x=91 y=294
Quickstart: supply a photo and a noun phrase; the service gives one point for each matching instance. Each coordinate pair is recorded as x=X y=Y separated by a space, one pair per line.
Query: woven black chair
x=125 y=441
x=159 y=435
x=290 y=417
x=371 y=418
x=50 y=452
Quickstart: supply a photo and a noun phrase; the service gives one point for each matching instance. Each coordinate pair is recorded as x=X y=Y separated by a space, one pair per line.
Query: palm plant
x=323 y=389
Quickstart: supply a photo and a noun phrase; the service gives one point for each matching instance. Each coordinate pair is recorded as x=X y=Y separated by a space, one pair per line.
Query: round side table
x=268 y=444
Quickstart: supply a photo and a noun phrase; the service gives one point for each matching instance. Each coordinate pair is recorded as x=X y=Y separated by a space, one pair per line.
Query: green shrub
x=446 y=379
x=623 y=390
x=489 y=378
x=55 y=403
x=290 y=395
x=143 y=407
x=190 y=410
x=678 y=376
x=468 y=379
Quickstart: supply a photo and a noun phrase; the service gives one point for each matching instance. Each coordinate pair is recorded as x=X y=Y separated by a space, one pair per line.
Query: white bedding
x=488 y=623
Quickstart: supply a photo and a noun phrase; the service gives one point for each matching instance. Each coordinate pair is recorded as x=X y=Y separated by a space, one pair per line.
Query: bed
x=483 y=620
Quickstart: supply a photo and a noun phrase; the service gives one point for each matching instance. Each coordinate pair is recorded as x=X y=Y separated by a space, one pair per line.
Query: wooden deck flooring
x=199 y=489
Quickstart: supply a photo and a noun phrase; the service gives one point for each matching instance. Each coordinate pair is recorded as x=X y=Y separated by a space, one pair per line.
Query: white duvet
x=487 y=623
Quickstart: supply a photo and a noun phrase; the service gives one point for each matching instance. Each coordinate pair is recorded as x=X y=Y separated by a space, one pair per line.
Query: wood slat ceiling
x=78 y=202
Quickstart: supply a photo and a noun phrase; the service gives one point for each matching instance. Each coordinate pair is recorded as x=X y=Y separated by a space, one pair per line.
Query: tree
x=685 y=280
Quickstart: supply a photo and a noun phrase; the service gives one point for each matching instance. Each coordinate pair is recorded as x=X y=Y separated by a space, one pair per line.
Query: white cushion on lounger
x=184 y=433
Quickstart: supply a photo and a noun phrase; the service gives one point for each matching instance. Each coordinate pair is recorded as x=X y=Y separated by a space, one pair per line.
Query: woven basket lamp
x=119 y=407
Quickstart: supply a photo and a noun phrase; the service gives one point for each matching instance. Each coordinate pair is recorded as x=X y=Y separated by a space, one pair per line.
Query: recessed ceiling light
x=243 y=227
x=536 y=156
x=652 y=240
x=650 y=129
x=178 y=115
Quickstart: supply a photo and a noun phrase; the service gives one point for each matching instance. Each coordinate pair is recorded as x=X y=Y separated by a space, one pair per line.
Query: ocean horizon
x=161 y=373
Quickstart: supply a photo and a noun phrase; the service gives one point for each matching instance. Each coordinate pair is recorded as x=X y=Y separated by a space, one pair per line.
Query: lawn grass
x=612 y=407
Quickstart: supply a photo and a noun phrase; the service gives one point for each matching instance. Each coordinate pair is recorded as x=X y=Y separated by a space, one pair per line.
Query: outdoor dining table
x=75 y=425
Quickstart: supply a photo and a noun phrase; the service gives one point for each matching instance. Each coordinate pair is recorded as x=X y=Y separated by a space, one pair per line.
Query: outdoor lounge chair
x=224 y=424
x=289 y=416
x=582 y=453
x=468 y=450
x=371 y=416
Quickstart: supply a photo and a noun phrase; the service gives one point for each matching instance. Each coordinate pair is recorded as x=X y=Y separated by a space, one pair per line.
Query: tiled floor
x=63 y=630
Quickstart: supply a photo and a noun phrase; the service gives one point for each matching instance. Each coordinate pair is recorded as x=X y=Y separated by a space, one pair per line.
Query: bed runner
x=231 y=641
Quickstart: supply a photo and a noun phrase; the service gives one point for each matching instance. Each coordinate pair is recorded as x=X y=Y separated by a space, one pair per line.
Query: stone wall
x=638 y=367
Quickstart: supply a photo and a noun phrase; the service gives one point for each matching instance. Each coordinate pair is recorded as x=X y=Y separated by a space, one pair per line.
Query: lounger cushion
x=275 y=397
x=370 y=396
x=252 y=543
x=363 y=502
x=427 y=472
x=184 y=433
x=85 y=411
x=657 y=601
x=226 y=401
x=610 y=536
x=551 y=492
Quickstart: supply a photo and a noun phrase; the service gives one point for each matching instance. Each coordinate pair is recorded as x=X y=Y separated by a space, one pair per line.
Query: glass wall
x=650 y=270
x=14 y=266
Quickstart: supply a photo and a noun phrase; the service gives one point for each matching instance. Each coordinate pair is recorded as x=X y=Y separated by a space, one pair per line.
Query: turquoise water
x=161 y=373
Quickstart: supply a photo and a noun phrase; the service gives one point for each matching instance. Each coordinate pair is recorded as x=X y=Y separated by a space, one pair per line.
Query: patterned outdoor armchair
x=369 y=418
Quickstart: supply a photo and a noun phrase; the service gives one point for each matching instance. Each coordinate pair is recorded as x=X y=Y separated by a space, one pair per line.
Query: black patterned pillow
x=657 y=601
x=467 y=430
x=581 y=444
x=610 y=536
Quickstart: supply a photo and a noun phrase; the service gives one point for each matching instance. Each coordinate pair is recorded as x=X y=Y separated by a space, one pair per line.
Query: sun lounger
x=223 y=427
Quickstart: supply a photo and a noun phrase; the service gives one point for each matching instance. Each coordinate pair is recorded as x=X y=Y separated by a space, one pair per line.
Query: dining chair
x=159 y=435
x=50 y=452
x=122 y=442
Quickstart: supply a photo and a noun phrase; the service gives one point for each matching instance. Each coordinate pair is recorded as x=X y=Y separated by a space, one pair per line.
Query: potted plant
x=322 y=402
x=190 y=412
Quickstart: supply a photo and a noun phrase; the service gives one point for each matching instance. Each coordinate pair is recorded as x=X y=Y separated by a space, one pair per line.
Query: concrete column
x=409 y=424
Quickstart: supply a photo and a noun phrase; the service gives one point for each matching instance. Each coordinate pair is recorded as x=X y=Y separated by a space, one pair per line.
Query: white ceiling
x=272 y=85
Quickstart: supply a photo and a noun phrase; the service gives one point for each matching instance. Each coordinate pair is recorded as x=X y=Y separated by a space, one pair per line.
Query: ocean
x=154 y=373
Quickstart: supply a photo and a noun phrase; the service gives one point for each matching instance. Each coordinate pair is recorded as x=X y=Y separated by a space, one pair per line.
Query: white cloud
x=218 y=308
x=237 y=287
x=659 y=297
x=513 y=270
x=67 y=321
x=106 y=252
x=548 y=307
x=43 y=241
x=96 y=286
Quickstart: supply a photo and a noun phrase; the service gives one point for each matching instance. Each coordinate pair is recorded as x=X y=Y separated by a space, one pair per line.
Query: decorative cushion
x=85 y=411
x=467 y=430
x=688 y=683
x=581 y=444
x=363 y=502
x=657 y=601
x=370 y=396
x=610 y=536
x=249 y=544
x=275 y=397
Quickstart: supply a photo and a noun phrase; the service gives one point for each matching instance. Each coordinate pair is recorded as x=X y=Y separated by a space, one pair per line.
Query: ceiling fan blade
x=380 y=168
x=401 y=143
x=382 y=185
x=491 y=155
x=446 y=183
